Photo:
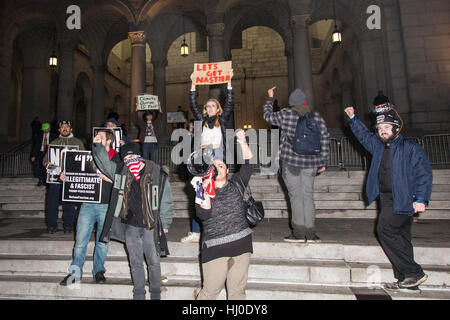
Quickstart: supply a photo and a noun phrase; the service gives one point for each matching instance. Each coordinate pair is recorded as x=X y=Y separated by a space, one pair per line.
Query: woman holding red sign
x=214 y=118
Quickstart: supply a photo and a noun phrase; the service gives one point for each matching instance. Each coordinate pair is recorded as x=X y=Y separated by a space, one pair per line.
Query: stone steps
x=32 y=269
x=339 y=194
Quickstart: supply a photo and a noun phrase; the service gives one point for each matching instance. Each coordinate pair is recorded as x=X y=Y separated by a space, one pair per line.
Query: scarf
x=302 y=109
x=134 y=166
x=211 y=121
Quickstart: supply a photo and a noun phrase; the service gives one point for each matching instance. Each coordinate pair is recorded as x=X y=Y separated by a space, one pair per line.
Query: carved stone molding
x=300 y=21
x=137 y=37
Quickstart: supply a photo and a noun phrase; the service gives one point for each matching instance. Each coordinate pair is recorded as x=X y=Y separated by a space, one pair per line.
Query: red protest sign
x=212 y=73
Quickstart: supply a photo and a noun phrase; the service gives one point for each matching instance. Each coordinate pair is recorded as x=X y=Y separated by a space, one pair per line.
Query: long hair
x=219 y=111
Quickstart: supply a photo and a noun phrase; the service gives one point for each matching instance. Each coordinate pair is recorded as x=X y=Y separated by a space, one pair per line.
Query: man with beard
x=400 y=174
x=65 y=138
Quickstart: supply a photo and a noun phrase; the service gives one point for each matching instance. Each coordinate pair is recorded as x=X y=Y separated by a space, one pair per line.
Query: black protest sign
x=117 y=136
x=55 y=162
x=82 y=182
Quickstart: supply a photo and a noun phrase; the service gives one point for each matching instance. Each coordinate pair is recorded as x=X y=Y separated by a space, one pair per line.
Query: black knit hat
x=130 y=148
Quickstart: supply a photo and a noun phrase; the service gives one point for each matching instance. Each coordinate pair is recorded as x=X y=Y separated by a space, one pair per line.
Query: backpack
x=307 y=136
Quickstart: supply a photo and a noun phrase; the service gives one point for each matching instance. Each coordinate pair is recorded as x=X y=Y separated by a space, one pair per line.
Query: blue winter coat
x=411 y=173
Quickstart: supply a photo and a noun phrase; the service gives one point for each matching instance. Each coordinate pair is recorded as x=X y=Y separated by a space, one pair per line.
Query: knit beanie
x=297 y=98
x=130 y=148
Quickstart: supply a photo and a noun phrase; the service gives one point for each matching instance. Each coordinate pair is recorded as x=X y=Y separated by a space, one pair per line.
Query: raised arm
x=193 y=101
x=274 y=118
x=229 y=103
x=102 y=160
x=368 y=139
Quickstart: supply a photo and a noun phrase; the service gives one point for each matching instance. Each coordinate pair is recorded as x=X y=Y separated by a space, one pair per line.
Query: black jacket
x=36 y=143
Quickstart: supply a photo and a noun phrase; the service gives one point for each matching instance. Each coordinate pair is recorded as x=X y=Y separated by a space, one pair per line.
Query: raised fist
x=350 y=111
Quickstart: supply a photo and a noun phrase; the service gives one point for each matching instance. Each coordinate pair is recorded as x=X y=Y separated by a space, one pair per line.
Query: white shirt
x=212 y=136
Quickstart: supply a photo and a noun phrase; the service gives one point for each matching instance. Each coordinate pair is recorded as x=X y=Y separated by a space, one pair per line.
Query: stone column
x=291 y=71
x=159 y=89
x=216 y=52
x=138 y=67
x=5 y=70
x=302 y=56
x=65 y=80
x=35 y=97
x=98 y=105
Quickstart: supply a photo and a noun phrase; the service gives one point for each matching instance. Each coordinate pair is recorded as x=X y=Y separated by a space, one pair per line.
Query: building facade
x=122 y=48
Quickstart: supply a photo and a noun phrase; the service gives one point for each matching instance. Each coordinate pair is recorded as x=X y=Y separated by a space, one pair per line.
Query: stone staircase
x=339 y=194
x=32 y=269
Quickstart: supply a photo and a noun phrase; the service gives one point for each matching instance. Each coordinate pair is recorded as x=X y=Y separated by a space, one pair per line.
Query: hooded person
x=299 y=169
x=112 y=123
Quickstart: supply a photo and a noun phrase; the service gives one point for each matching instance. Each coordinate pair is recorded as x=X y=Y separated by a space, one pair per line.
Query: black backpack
x=307 y=136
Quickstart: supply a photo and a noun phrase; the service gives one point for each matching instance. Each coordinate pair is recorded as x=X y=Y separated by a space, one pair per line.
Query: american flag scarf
x=211 y=187
x=134 y=165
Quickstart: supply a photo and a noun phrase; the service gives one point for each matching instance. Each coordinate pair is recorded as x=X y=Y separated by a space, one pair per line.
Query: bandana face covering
x=134 y=165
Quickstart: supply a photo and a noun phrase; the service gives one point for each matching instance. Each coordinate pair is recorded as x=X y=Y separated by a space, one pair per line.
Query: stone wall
x=426 y=33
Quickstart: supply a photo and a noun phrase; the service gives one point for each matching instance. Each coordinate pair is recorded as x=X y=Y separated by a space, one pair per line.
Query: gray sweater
x=225 y=222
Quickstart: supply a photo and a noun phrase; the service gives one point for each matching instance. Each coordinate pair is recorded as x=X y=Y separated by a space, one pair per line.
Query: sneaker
x=100 y=277
x=292 y=238
x=67 y=230
x=164 y=279
x=394 y=287
x=191 y=237
x=73 y=279
x=412 y=282
x=314 y=239
x=51 y=230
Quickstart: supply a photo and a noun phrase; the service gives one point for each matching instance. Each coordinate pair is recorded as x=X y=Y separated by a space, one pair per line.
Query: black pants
x=394 y=234
x=38 y=168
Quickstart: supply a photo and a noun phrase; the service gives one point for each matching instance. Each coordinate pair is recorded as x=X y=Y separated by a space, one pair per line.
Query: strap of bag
x=247 y=189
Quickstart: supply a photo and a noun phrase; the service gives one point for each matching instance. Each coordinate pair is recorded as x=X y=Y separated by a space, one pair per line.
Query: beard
x=386 y=138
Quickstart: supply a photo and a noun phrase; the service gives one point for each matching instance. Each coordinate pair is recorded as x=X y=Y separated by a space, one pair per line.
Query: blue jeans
x=195 y=226
x=150 y=151
x=140 y=243
x=53 y=201
x=90 y=214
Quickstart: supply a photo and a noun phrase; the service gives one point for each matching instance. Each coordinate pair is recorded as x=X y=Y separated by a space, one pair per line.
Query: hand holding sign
x=211 y=73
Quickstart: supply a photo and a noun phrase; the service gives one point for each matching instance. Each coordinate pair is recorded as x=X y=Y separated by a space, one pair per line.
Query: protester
x=112 y=123
x=146 y=212
x=35 y=127
x=400 y=175
x=180 y=110
x=299 y=170
x=39 y=147
x=65 y=138
x=148 y=133
x=91 y=214
x=227 y=239
x=214 y=118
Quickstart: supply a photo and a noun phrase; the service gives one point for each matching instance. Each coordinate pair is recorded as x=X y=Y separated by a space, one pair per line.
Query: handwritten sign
x=212 y=73
x=147 y=102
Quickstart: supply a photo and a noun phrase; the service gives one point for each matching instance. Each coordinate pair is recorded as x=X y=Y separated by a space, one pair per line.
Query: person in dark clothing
x=380 y=99
x=112 y=123
x=91 y=214
x=227 y=238
x=400 y=174
x=35 y=127
x=149 y=134
x=142 y=198
x=39 y=147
